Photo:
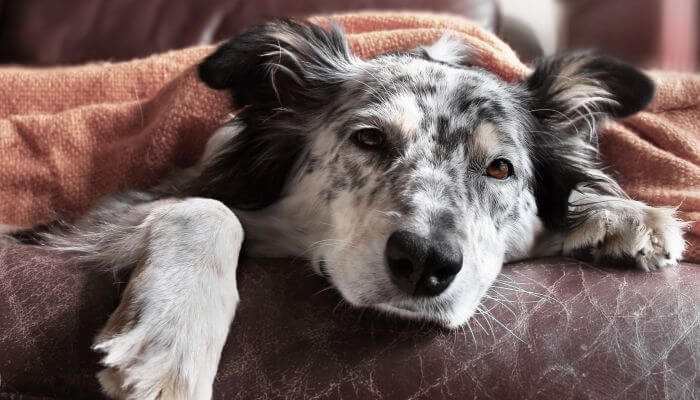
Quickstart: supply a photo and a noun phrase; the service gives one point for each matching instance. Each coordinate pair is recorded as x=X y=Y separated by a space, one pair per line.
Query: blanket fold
x=71 y=135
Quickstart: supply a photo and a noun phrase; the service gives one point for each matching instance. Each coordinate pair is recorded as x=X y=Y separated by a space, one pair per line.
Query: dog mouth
x=401 y=310
x=414 y=313
x=406 y=308
x=438 y=309
x=399 y=307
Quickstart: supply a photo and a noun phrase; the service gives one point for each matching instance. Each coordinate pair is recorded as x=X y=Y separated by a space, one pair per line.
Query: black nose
x=420 y=266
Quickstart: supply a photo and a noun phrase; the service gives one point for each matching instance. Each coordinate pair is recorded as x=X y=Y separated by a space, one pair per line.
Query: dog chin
x=448 y=320
x=449 y=314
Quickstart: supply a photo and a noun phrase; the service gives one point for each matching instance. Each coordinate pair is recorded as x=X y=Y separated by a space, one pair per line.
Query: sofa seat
x=560 y=329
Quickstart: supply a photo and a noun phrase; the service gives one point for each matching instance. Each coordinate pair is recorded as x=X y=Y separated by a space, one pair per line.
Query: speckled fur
x=301 y=186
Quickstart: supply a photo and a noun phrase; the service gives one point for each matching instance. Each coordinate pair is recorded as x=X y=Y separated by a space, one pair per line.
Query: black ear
x=285 y=72
x=582 y=85
x=279 y=62
x=567 y=95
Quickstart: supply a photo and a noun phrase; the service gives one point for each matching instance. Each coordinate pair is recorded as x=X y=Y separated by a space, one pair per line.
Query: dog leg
x=618 y=228
x=165 y=339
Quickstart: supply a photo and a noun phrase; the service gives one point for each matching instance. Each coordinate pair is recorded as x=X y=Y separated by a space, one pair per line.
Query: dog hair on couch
x=407 y=180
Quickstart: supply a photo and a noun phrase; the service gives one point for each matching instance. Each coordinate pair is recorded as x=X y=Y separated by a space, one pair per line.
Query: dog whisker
x=489 y=315
x=331 y=287
x=471 y=332
x=479 y=323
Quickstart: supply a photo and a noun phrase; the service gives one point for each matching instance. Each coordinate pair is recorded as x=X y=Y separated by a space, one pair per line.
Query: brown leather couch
x=46 y=32
x=561 y=329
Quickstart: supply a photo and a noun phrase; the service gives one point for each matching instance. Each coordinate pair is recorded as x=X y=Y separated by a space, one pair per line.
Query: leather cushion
x=566 y=330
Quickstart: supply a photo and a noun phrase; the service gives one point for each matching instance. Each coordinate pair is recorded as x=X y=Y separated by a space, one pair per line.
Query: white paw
x=653 y=237
x=165 y=339
x=665 y=238
x=148 y=365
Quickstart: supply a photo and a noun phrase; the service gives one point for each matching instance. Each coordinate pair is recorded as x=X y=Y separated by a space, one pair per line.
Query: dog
x=407 y=180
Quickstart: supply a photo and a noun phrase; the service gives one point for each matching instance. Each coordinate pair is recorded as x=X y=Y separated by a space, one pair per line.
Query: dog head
x=408 y=179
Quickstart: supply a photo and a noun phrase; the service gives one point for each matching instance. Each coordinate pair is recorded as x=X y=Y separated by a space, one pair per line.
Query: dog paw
x=150 y=360
x=665 y=245
x=141 y=367
x=652 y=237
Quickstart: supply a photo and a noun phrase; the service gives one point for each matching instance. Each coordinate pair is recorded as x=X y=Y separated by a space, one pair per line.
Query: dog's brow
x=485 y=139
x=400 y=113
x=405 y=114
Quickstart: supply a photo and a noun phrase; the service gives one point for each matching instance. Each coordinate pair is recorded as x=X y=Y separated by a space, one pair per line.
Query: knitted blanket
x=71 y=135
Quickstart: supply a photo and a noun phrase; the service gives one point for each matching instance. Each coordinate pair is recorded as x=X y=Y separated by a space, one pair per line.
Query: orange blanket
x=69 y=136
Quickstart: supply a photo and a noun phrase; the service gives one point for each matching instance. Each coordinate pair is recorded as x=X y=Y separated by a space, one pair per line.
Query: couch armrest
x=565 y=330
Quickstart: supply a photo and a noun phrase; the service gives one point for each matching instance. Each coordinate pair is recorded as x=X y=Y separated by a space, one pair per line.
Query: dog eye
x=369 y=138
x=499 y=169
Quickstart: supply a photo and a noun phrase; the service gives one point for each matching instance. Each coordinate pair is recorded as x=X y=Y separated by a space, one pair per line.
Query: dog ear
x=280 y=73
x=281 y=62
x=580 y=86
x=566 y=95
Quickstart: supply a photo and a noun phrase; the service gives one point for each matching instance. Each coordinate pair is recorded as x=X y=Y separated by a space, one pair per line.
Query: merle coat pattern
x=407 y=180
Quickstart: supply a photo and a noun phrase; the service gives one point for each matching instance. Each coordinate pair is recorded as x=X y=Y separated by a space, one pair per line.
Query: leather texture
x=49 y=32
x=565 y=330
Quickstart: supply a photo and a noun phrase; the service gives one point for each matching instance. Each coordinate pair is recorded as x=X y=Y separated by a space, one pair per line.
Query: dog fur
x=329 y=157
